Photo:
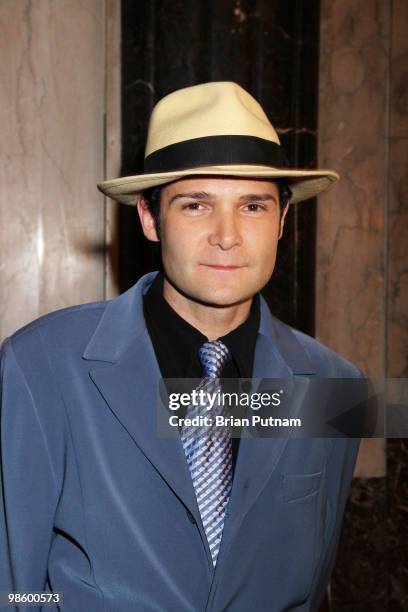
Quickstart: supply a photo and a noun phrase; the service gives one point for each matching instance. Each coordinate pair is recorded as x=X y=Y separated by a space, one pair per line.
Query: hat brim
x=304 y=184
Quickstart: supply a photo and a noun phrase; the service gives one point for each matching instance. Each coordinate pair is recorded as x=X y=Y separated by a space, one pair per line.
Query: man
x=96 y=504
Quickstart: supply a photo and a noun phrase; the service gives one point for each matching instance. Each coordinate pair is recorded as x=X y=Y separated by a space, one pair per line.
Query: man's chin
x=211 y=295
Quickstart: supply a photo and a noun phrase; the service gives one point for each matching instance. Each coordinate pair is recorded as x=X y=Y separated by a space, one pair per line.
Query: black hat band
x=216 y=151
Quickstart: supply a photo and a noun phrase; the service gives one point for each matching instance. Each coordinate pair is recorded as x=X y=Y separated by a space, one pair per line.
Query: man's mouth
x=224 y=267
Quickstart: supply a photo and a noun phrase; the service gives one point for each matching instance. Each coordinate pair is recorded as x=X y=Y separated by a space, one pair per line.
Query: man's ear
x=282 y=221
x=146 y=219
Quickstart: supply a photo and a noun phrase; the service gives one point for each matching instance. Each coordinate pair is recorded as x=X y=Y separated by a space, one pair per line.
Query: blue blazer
x=95 y=505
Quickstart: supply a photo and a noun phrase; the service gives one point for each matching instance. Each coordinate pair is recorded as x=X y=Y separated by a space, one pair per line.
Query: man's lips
x=223 y=267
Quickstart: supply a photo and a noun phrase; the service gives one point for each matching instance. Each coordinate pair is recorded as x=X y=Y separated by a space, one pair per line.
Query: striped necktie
x=209 y=451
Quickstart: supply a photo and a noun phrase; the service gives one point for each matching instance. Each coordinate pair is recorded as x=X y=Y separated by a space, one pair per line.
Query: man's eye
x=254 y=207
x=192 y=206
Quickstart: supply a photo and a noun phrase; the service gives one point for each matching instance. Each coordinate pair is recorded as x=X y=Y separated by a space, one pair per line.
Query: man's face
x=218 y=235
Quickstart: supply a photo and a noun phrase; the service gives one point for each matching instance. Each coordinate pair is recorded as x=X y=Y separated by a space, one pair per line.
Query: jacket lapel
x=278 y=354
x=129 y=382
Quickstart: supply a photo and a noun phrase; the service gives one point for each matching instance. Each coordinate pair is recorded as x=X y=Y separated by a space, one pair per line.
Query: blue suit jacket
x=95 y=505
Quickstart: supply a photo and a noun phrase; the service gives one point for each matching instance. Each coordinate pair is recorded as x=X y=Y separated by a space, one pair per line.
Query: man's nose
x=225 y=231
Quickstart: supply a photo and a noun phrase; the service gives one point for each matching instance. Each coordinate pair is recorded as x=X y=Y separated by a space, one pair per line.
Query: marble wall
x=52 y=218
x=113 y=140
x=351 y=227
x=397 y=303
x=361 y=288
x=397 y=257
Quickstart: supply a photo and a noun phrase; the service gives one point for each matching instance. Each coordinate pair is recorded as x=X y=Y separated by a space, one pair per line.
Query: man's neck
x=212 y=321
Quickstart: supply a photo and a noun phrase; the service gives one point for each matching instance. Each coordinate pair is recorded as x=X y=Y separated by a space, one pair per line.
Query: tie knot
x=213 y=356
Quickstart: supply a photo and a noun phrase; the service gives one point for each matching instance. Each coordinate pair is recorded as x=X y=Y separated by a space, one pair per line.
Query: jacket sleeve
x=28 y=491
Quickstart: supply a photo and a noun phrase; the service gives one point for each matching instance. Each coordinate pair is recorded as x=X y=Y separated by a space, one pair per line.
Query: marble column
x=397 y=304
x=351 y=224
x=362 y=297
x=52 y=225
x=113 y=141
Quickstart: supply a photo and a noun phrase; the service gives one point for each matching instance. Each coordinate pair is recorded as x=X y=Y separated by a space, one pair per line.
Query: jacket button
x=191 y=518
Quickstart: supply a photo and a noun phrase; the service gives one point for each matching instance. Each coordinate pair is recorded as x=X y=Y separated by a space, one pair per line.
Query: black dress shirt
x=176 y=342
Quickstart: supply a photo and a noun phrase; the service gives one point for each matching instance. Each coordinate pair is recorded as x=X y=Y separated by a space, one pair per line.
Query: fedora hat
x=218 y=129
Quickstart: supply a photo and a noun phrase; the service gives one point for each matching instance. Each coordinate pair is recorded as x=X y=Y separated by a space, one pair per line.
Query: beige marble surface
x=52 y=96
x=113 y=140
x=397 y=260
x=352 y=246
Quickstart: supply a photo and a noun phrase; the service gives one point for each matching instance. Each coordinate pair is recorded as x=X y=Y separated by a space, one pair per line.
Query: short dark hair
x=153 y=199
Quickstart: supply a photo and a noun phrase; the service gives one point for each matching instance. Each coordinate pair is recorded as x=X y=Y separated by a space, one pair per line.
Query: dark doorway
x=270 y=47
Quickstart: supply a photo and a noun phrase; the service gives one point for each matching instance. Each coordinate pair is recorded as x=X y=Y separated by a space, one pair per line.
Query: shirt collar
x=181 y=340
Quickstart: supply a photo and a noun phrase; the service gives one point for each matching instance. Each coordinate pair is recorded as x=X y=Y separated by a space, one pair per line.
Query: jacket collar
x=123 y=323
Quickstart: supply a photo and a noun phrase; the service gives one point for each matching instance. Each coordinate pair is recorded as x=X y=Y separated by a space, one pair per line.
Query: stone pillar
x=397 y=302
x=52 y=218
x=351 y=222
x=113 y=140
x=362 y=247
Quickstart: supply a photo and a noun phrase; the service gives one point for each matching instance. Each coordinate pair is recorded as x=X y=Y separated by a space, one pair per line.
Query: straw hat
x=215 y=128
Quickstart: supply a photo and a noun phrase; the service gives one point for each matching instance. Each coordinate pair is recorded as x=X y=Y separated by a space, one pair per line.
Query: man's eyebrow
x=258 y=197
x=195 y=195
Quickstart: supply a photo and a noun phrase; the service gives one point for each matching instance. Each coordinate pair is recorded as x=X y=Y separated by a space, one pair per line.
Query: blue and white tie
x=209 y=452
